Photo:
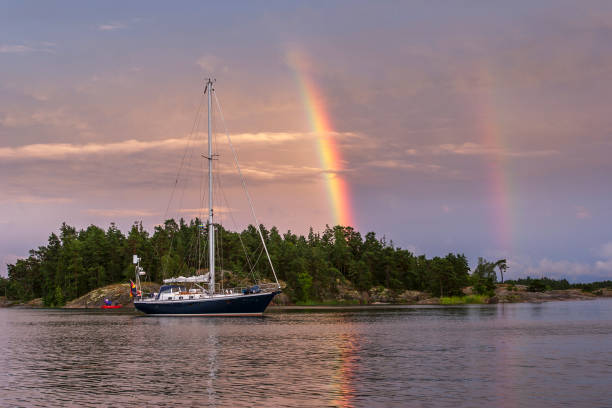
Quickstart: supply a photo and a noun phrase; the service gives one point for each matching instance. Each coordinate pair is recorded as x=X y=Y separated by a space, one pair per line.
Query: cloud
x=27 y=48
x=559 y=269
x=111 y=26
x=604 y=266
x=582 y=213
x=211 y=64
x=278 y=137
x=15 y=49
x=203 y=212
x=391 y=164
x=59 y=118
x=121 y=213
x=606 y=250
x=394 y=164
x=475 y=149
x=281 y=137
x=58 y=151
x=275 y=171
x=564 y=269
x=119 y=25
x=38 y=200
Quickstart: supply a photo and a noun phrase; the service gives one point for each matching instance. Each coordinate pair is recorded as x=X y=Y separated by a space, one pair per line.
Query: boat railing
x=263 y=287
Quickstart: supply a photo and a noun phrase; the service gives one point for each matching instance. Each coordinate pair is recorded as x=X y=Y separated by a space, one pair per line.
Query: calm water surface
x=520 y=355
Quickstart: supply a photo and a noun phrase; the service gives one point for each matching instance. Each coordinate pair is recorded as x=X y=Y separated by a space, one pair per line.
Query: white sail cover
x=192 y=279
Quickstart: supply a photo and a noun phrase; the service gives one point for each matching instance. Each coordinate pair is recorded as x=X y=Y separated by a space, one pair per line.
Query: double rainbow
x=329 y=154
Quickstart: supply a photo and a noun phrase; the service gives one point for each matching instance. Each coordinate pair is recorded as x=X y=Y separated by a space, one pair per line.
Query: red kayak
x=110 y=307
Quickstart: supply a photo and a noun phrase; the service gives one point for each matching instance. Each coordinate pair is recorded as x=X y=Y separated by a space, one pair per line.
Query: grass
x=463 y=300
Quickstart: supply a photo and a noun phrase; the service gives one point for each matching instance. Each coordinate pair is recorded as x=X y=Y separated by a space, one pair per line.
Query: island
x=338 y=266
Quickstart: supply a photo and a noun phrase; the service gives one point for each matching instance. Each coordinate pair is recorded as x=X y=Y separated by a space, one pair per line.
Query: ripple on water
x=505 y=355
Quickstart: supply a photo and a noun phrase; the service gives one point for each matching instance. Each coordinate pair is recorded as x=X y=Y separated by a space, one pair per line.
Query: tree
x=502 y=266
x=315 y=266
x=484 y=277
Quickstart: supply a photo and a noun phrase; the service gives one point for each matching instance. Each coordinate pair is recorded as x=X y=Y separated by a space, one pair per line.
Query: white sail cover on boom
x=192 y=279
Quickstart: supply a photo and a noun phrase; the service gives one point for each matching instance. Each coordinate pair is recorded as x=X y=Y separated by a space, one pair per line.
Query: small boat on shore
x=111 y=306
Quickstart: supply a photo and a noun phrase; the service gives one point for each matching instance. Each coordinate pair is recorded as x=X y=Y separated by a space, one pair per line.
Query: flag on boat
x=133 y=291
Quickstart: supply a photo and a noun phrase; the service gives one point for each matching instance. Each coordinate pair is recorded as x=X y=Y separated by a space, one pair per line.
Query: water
x=519 y=355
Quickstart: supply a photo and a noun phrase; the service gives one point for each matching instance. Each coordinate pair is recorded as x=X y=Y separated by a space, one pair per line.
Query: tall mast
x=211 y=227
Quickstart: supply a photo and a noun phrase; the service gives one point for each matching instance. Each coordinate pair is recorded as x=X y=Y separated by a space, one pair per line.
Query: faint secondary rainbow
x=499 y=176
x=329 y=155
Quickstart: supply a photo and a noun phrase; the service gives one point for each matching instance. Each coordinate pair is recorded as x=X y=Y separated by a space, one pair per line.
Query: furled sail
x=192 y=279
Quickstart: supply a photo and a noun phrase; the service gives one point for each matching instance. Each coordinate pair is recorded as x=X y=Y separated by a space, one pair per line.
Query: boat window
x=180 y=298
x=190 y=297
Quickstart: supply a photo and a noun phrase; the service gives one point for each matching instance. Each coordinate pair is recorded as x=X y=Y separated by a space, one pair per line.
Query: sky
x=476 y=127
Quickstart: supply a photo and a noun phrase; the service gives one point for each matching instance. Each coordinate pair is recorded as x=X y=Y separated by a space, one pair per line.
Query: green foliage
x=314 y=267
x=59 y=297
x=593 y=286
x=537 y=285
x=4 y=286
x=484 y=278
x=447 y=276
x=462 y=300
x=304 y=284
x=544 y=284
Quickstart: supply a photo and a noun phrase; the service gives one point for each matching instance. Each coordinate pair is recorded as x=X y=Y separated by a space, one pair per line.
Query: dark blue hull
x=239 y=305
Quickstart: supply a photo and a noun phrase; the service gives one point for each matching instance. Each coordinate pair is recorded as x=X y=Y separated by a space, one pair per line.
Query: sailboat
x=198 y=295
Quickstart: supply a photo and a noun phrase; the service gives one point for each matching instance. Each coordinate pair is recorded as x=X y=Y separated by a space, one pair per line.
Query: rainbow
x=329 y=154
x=496 y=162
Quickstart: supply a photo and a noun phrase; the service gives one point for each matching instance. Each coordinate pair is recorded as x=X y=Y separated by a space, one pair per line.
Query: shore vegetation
x=319 y=268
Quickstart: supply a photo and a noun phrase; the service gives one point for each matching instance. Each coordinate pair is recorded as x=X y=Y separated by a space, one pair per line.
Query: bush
x=537 y=285
x=462 y=300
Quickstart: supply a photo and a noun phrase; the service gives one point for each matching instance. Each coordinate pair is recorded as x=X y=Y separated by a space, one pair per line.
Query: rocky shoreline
x=119 y=295
x=503 y=294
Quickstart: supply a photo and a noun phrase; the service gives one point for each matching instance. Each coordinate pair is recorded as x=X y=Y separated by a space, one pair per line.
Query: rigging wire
x=218 y=177
x=177 y=177
x=244 y=186
x=250 y=264
x=196 y=121
x=189 y=255
x=216 y=201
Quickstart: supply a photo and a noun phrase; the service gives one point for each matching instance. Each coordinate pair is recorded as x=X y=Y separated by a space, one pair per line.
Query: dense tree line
x=313 y=266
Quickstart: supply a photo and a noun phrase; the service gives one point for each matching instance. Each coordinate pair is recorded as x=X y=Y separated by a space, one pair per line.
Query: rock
x=38 y=302
x=118 y=293
x=4 y=302
x=493 y=300
x=380 y=294
x=429 y=301
x=605 y=292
